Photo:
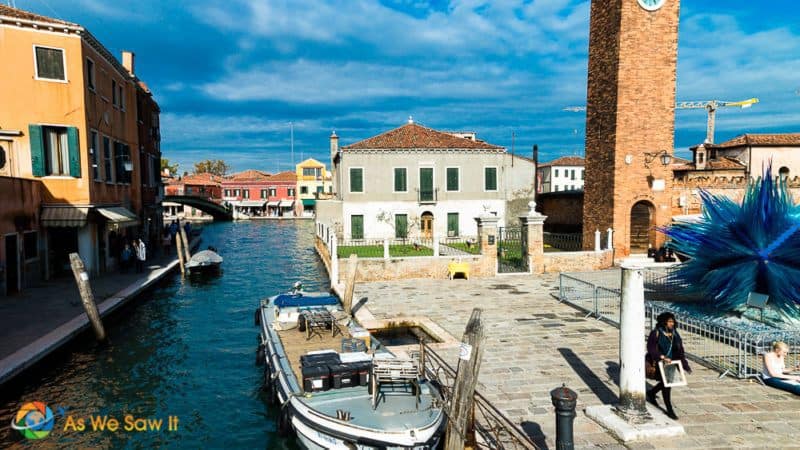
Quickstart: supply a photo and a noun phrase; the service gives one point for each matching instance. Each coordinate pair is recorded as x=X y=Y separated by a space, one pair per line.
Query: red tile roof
x=284 y=176
x=205 y=179
x=565 y=161
x=724 y=163
x=777 y=139
x=413 y=135
x=14 y=13
x=249 y=175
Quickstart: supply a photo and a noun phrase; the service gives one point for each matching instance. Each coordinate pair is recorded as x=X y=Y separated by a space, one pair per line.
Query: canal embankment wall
x=34 y=351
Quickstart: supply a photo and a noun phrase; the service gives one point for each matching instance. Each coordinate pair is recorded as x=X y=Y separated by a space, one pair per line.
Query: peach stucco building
x=69 y=121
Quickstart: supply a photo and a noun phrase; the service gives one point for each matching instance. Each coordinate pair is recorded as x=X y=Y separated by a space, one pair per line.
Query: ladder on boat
x=394 y=371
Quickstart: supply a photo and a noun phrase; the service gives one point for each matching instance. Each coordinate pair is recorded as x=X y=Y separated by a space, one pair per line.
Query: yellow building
x=312 y=181
x=69 y=119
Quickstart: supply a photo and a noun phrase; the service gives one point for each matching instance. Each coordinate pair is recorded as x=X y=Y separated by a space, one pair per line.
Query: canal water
x=184 y=349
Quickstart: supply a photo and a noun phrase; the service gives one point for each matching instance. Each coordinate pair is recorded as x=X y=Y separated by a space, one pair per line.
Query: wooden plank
x=460 y=431
x=347 y=301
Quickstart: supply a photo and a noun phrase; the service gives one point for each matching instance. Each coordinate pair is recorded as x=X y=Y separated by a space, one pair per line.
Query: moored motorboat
x=204 y=261
x=336 y=389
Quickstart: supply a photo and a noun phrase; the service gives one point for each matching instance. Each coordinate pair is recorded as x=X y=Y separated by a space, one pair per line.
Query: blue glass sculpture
x=736 y=249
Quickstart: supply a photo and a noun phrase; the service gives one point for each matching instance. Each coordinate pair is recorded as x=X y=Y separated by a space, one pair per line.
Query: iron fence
x=363 y=248
x=730 y=350
x=491 y=428
x=568 y=242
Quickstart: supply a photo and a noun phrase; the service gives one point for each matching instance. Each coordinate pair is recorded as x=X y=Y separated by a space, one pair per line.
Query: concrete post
x=487 y=237
x=610 y=243
x=334 y=261
x=435 y=246
x=534 y=222
x=632 y=406
x=597 y=241
x=386 y=248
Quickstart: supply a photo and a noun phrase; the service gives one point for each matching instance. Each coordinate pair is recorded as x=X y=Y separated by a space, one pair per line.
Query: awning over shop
x=275 y=203
x=64 y=216
x=253 y=203
x=287 y=203
x=170 y=204
x=119 y=216
x=309 y=201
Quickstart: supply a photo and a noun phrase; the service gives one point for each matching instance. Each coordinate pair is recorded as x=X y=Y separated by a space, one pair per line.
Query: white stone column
x=534 y=222
x=386 y=248
x=435 y=246
x=597 y=241
x=610 y=243
x=632 y=406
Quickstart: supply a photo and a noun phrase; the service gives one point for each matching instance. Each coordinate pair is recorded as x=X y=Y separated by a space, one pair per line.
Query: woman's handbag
x=650 y=369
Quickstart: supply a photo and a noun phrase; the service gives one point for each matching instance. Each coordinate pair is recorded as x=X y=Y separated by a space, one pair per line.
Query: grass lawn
x=362 y=251
x=408 y=250
x=474 y=249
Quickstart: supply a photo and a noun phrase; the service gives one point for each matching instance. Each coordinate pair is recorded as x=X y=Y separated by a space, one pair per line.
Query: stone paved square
x=534 y=343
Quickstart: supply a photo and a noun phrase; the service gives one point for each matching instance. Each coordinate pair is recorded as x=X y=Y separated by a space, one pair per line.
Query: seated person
x=774 y=373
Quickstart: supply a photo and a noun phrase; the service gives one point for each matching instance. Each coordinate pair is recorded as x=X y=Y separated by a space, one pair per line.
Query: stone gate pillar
x=487 y=239
x=534 y=223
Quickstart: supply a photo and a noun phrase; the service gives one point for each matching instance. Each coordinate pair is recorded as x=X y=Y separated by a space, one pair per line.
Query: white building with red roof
x=420 y=183
x=561 y=174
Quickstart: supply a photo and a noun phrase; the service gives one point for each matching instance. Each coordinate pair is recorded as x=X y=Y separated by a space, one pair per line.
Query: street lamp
x=662 y=156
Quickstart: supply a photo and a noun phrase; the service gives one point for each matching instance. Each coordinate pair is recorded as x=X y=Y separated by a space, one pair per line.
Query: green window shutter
x=452 y=178
x=401 y=226
x=74 y=152
x=452 y=224
x=490 y=179
x=37 y=150
x=400 y=180
x=356 y=180
x=357 y=227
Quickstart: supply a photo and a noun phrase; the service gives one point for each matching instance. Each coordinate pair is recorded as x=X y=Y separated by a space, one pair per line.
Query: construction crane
x=709 y=105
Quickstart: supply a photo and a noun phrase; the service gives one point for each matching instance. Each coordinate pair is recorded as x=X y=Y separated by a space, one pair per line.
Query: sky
x=235 y=79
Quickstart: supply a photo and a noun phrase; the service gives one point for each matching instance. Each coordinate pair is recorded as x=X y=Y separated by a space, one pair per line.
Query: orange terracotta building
x=69 y=121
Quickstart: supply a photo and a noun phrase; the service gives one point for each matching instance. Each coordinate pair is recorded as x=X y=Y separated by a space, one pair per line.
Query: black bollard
x=564 y=399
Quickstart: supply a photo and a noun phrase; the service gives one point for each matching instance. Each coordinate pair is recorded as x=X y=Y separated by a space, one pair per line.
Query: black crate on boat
x=316 y=378
x=362 y=369
x=353 y=345
x=317 y=359
x=343 y=375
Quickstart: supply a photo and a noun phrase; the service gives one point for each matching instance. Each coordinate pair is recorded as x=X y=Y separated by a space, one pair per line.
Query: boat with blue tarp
x=335 y=386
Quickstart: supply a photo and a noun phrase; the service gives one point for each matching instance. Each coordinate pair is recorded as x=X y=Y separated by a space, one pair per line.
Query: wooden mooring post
x=179 y=249
x=460 y=430
x=82 y=279
x=186 y=249
x=347 y=301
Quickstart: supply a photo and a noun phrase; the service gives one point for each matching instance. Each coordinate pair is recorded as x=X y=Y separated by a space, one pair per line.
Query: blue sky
x=231 y=75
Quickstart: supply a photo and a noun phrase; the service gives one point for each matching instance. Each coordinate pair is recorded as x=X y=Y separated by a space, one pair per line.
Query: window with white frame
x=490 y=178
x=56 y=150
x=356 y=179
x=50 y=63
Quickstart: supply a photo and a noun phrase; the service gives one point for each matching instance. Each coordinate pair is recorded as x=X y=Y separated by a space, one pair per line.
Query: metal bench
x=320 y=321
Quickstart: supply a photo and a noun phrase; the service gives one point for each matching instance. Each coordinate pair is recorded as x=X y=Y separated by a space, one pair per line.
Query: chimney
x=334 y=146
x=128 y=61
x=536 y=156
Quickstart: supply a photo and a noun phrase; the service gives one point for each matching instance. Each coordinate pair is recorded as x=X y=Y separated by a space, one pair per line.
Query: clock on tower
x=651 y=5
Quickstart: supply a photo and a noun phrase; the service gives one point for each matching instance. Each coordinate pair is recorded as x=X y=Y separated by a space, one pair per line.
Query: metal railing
x=491 y=428
x=568 y=242
x=427 y=195
x=727 y=349
x=363 y=248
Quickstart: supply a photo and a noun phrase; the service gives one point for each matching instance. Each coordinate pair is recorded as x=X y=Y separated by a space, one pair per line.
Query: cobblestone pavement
x=534 y=344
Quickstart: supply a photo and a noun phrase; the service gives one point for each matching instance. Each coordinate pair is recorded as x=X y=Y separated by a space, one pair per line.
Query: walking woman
x=664 y=344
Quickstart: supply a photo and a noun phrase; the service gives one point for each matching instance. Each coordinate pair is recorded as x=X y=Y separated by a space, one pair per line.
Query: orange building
x=69 y=120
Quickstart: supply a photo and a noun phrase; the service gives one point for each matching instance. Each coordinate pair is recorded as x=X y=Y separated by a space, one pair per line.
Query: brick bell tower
x=630 y=121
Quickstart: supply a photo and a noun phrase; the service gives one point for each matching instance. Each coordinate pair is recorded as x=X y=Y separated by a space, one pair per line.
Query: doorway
x=426 y=226
x=12 y=264
x=642 y=226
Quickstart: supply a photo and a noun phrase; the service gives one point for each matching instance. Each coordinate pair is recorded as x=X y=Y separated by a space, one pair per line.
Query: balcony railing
x=427 y=195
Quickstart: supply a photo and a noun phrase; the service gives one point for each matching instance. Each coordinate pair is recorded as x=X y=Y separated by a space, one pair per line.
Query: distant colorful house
x=312 y=180
x=203 y=185
x=247 y=191
x=282 y=194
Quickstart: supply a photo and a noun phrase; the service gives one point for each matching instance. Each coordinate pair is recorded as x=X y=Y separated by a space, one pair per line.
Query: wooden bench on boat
x=394 y=371
x=320 y=321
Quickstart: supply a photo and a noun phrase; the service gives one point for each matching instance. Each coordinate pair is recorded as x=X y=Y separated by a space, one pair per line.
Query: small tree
x=165 y=164
x=412 y=224
x=213 y=166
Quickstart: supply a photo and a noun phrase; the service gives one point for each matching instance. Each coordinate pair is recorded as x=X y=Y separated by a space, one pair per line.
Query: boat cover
x=204 y=258
x=284 y=300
